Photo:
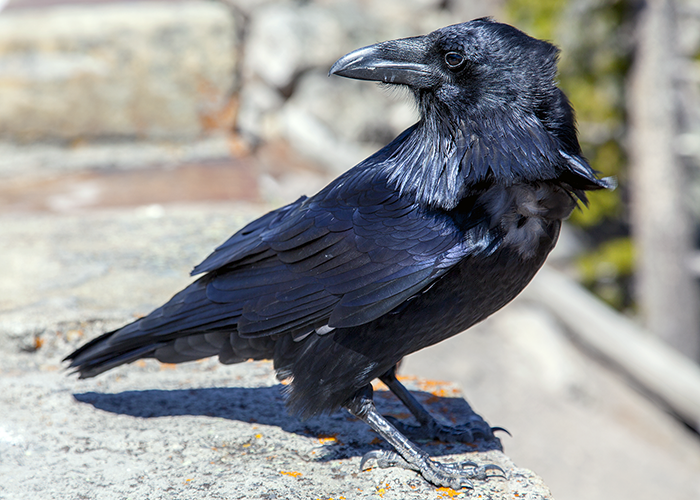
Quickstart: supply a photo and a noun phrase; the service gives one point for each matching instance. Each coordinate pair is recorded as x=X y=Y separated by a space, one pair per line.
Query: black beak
x=396 y=61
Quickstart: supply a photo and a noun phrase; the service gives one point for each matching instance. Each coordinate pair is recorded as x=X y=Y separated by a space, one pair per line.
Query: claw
x=494 y=467
x=370 y=455
x=465 y=483
x=436 y=431
x=494 y=429
x=409 y=456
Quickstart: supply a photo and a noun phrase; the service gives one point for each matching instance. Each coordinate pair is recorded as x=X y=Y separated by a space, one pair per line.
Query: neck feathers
x=437 y=163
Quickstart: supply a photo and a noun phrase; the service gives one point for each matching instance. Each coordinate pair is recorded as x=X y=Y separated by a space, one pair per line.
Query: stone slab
x=205 y=430
x=151 y=70
x=66 y=278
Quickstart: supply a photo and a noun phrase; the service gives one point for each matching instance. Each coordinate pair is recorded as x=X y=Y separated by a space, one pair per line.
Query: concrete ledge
x=67 y=278
x=207 y=430
x=150 y=430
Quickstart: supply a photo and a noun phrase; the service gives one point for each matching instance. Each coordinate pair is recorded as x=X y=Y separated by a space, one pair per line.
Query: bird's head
x=490 y=110
x=471 y=67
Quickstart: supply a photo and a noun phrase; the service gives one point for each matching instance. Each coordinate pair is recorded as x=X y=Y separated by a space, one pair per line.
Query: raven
x=420 y=241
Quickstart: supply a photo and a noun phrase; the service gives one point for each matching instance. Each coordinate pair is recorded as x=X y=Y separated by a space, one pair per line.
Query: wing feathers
x=339 y=266
x=311 y=265
x=357 y=310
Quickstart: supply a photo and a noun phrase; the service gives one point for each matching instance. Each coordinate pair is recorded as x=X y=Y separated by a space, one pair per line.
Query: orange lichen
x=291 y=473
x=431 y=383
x=216 y=116
x=438 y=388
x=328 y=438
x=378 y=385
x=447 y=493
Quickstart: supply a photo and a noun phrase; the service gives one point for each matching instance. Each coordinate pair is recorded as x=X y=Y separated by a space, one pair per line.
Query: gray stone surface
x=285 y=39
x=151 y=430
x=201 y=430
x=164 y=431
x=139 y=430
x=44 y=159
x=157 y=70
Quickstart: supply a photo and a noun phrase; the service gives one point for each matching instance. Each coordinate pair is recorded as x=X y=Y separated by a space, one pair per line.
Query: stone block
x=163 y=70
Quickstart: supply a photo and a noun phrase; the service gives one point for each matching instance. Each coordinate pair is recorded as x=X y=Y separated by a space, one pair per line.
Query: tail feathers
x=119 y=347
x=104 y=353
x=186 y=328
x=91 y=364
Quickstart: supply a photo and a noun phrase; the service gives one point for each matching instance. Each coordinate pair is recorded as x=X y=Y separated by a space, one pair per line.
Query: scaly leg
x=430 y=428
x=408 y=455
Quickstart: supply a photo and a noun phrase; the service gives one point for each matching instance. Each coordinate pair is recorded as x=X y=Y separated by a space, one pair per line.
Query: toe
x=370 y=455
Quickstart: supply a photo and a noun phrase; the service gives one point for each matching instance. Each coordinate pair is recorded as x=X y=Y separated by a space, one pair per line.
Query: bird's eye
x=454 y=60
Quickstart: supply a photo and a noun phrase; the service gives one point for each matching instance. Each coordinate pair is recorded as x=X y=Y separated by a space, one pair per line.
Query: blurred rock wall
x=289 y=47
x=91 y=74
x=148 y=70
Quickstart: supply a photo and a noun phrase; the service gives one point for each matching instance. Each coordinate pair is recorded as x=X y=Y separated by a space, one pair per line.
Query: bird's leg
x=430 y=428
x=409 y=456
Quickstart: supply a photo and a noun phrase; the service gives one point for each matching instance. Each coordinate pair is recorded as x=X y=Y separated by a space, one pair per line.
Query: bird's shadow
x=265 y=405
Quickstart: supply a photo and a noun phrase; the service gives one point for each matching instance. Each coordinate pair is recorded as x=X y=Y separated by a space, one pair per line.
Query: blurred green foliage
x=607 y=269
x=538 y=18
x=596 y=42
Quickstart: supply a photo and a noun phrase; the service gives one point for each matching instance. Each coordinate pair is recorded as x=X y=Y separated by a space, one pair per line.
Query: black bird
x=430 y=235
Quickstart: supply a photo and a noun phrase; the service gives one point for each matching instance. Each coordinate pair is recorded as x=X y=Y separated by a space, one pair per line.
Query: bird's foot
x=408 y=455
x=434 y=430
x=455 y=475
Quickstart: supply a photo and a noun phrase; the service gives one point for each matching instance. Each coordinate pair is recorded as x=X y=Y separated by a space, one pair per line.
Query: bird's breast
x=529 y=216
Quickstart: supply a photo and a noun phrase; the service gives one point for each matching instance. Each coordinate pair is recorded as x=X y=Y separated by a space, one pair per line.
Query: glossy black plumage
x=430 y=235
